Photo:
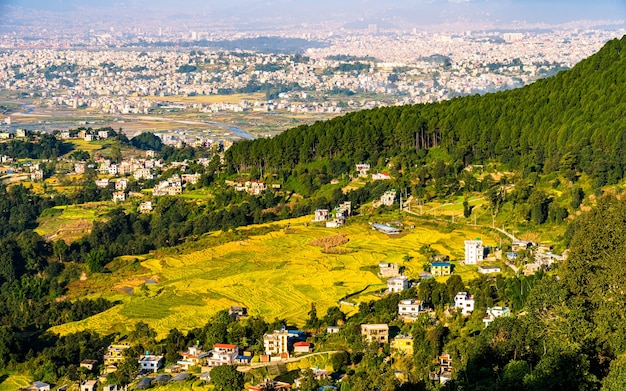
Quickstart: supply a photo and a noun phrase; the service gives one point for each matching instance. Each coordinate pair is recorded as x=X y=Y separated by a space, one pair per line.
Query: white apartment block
x=474 y=251
x=465 y=302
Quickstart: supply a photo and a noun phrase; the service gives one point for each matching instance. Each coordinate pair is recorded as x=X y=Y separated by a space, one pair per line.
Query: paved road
x=246 y=368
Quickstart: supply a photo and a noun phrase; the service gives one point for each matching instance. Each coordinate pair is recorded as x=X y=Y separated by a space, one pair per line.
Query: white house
x=145 y=207
x=381 y=176
x=465 y=302
x=222 y=354
x=194 y=356
x=409 y=309
x=151 y=363
x=398 y=284
x=388 y=198
x=363 y=169
x=489 y=269
x=474 y=251
x=321 y=215
x=276 y=343
x=496 y=312
x=302 y=347
x=333 y=329
x=119 y=196
x=121 y=184
x=41 y=386
x=102 y=183
x=89 y=385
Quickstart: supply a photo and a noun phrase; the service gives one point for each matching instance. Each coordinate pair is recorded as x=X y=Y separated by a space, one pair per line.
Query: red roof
x=301 y=344
x=224 y=346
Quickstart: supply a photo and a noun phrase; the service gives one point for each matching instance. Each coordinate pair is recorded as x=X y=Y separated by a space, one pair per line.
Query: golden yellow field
x=275 y=275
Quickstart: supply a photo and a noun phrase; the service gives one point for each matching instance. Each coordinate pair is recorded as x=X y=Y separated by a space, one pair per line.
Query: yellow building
x=441 y=269
x=403 y=344
x=375 y=332
x=115 y=353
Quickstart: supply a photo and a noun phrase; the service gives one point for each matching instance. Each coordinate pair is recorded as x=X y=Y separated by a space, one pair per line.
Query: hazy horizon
x=390 y=14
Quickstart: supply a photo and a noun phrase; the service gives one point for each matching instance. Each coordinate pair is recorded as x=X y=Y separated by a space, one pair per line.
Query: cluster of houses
x=363 y=171
x=86 y=134
x=251 y=187
x=138 y=168
x=335 y=219
x=541 y=255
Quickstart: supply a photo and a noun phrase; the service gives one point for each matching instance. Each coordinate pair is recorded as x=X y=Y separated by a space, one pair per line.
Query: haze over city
x=275 y=14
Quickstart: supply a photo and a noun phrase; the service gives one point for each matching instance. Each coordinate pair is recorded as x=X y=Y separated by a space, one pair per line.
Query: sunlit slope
x=278 y=274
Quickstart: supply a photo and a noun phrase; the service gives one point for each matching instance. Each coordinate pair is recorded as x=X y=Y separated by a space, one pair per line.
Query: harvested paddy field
x=275 y=275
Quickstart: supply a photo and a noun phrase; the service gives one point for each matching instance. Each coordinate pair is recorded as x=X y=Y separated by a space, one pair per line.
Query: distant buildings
x=489 y=269
x=388 y=198
x=381 y=176
x=321 y=215
x=387 y=270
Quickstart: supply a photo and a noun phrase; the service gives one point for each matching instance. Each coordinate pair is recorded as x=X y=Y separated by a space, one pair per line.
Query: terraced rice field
x=274 y=275
x=12 y=382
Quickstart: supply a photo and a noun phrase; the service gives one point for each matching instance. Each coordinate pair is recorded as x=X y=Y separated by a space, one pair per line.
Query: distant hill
x=259 y=45
x=573 y=122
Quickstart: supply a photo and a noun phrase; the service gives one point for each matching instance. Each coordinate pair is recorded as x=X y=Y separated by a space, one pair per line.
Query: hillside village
x=142 y=177
x=286 y=345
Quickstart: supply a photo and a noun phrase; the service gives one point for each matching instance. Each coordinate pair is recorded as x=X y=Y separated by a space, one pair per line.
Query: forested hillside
x=573 y=121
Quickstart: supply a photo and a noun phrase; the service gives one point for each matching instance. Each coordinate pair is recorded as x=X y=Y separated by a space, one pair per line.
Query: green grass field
x=70 y=222
x=276 y=274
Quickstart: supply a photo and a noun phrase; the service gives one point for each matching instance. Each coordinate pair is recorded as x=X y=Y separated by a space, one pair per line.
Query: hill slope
x=573 y=121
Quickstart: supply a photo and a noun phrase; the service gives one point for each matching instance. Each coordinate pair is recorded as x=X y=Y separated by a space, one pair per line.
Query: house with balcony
x=409 y=309
x=222 y=354
x=375 y=332
x=115 y=353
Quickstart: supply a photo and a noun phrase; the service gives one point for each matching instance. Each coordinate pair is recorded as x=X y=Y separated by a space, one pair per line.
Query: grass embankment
x=276 y=274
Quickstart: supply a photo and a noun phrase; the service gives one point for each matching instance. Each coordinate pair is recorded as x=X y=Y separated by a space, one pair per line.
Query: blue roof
x=441 y=264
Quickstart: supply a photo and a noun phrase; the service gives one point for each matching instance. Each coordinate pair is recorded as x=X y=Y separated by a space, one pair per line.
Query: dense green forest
x=572 y=122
